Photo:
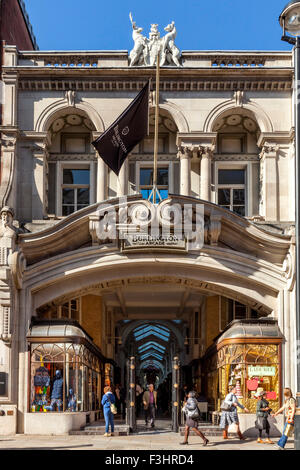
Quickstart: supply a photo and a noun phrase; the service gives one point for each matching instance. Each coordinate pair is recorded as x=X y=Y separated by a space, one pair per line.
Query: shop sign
x=144 y=241
x=260 y=371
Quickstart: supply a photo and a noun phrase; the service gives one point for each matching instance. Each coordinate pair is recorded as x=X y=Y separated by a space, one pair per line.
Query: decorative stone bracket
x=12 y=266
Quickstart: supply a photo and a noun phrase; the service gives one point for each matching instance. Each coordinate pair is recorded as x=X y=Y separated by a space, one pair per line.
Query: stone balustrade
x=92 y=59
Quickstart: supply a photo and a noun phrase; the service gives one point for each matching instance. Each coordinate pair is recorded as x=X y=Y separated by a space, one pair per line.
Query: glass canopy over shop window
x=66 y=368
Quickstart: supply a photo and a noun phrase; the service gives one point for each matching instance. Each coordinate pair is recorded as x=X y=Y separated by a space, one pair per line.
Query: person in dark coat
x=262 y=413
x=192 y=417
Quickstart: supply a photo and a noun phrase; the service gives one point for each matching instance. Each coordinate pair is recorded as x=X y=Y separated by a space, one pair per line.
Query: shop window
x=65 y=377
x=146 y=181
x=251 y=364
x=231 y=190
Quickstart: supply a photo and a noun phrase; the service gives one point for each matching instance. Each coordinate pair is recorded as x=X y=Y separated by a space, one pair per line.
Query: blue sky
x=201 y=25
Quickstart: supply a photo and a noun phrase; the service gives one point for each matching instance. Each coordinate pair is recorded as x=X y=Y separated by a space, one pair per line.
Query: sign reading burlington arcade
x=144 y=240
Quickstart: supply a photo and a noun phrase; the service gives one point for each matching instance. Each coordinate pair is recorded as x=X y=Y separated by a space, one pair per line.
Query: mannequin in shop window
x=57 y=392
x=72 y=402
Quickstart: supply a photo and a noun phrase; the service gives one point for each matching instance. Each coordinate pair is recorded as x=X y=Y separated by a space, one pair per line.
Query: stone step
x=100 y=430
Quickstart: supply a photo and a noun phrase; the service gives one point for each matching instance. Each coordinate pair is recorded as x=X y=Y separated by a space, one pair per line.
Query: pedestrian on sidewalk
x=262 y=414
x=289 y=409
x=229 y=413
x=108 y=399
x=150 y=405
x=192 y=413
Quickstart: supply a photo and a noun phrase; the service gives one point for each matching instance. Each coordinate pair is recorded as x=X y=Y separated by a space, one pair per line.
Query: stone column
x=205 y=179
x=101 y=180
x=269 y=197
x=122 y=183
x=185 y=155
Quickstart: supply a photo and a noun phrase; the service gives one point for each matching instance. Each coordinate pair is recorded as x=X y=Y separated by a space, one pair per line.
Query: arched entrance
x=154 y=344
x=151 y=303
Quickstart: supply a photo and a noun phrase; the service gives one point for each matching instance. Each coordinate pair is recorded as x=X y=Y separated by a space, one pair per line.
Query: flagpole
x=156 y=130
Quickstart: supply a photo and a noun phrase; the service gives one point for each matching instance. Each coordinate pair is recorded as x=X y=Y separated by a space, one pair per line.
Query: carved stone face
x=6 y=218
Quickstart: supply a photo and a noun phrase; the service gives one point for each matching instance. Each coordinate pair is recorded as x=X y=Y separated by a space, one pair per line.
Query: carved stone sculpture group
x=147 y=50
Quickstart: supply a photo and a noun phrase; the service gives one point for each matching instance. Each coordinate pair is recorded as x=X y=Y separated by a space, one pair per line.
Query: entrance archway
x=154 y=345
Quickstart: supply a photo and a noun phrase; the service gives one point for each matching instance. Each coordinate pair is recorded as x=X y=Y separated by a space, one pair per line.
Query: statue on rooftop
x=147 y=50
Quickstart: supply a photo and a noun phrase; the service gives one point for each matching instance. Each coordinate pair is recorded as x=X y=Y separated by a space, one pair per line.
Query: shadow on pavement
x=50 y=448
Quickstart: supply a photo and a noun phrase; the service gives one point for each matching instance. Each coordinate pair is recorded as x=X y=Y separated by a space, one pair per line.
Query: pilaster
x=269 y=184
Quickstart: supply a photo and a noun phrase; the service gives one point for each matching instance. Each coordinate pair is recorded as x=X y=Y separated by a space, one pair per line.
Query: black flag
x=125 y=133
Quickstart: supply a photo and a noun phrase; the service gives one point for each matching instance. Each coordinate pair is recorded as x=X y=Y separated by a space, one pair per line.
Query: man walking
x=150 y=404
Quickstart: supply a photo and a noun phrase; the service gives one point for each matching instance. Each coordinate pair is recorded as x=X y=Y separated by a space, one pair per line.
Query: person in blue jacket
x=108 y=399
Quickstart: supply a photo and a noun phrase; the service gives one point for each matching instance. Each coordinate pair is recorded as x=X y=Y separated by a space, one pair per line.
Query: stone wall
x=212 y=319
x=92 y=317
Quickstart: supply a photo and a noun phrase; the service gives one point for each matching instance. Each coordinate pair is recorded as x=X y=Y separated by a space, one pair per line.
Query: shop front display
x=247 y=355
x=66 y=368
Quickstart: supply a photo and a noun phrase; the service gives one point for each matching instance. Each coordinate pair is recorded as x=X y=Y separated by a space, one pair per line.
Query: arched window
x=236 y=167
x=71 y=163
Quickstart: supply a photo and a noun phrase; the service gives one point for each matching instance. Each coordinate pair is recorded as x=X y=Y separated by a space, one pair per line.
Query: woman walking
x=108 y=399
x=229 y=413
x=192 y=416
x=262 y=413
x=289 y=408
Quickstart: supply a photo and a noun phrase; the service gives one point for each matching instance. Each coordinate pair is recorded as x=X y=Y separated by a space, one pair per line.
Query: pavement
x=150 y=440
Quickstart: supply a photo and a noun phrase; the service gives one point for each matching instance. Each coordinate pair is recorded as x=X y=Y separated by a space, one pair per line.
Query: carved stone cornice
x=67 y=157
x=178 y=84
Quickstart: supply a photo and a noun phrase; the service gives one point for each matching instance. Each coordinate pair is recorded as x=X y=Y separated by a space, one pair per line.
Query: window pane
x=146 y=176
x=83 y=196
x=240 y=210
x=72 y=176
x=164 y=193
x=239 y=196
x=163 y=176
x=68 y=196
x=67 y=210
x=224 y=197
x=231 y=177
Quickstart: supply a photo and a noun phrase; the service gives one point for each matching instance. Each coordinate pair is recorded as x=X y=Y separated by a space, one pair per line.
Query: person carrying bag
x=262 y=414
x=109 y=409
x=192 y=413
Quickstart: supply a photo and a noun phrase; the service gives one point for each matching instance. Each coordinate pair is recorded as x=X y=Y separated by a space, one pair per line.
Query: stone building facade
x=226 y=141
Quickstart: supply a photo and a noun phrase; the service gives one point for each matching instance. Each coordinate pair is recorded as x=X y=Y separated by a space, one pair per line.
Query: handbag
x=225 y=406
x=260 y=423
x=113 y=407
x=193 y=414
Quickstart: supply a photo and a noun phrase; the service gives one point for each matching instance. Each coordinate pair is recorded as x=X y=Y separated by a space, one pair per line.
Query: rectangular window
x=71 y=310
x=75 y=189
x=146 y=181
x=232 y=190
